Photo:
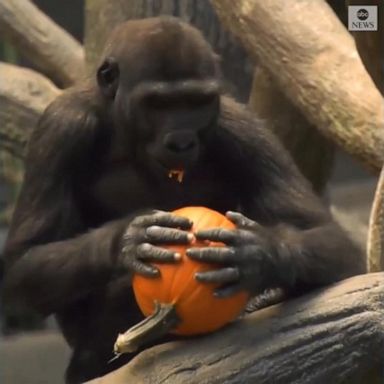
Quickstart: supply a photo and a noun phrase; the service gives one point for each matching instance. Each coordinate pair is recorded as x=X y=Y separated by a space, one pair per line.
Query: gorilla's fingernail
x=177 y=256
x=191 y=238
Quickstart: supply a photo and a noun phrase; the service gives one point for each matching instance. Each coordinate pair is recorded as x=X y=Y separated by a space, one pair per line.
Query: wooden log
x=311 y=151
x=317 y=66
x=24 y=94
x=370 y=44
x=55 y=52
x=334 y=335
x=375 y=243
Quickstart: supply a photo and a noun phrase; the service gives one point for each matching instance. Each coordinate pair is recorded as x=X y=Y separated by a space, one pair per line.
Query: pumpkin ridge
x=195 y=292
x=186 y=304
x=197 y=222
x=173 y=284
x=201 y=221
x=187 y=284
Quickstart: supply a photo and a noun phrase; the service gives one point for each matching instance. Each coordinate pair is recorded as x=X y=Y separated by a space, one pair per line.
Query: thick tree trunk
x=375 y=245
x=49 y=47
x=312 y=152
x=335 y=335
x=24 y=94
x=317 y=67
x=370 y=44
x=103 y=15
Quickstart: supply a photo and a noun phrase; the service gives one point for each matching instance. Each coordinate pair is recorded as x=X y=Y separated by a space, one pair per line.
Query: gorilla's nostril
x=180 y=143
x=180 y=146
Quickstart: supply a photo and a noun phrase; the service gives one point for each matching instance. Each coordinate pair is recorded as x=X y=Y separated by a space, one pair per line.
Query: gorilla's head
x=160 y=79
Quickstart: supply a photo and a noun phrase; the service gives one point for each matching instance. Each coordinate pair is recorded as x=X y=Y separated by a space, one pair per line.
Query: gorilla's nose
x=180 y=141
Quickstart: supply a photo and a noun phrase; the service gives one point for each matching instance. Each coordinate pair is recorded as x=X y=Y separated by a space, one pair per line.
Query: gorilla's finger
x=220 y=276
x=149 y=252
x=218 y=255
x=218 y=235
x=163 y=219
x=227 y=291
x=164 y=235
x=240 y=220
x=143 y=269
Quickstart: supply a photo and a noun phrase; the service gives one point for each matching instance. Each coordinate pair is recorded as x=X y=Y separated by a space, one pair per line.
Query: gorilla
x=151 y=131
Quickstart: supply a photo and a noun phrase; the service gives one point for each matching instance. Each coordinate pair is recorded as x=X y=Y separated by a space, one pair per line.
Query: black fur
x=89 y=173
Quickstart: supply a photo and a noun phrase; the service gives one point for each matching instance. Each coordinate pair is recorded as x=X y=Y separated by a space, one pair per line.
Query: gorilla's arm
x=285 y=237
x=43 y=268
x=52 y=258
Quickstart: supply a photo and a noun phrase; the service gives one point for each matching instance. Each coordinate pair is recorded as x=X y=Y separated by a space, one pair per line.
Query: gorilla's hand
x=248 y=258
x=144 y=233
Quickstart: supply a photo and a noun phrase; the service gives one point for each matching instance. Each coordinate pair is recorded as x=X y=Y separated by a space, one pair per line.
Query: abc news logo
x=362 y=14
x=362 y=18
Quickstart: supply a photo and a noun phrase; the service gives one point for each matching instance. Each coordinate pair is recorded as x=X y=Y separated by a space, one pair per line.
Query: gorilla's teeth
x=176 y=173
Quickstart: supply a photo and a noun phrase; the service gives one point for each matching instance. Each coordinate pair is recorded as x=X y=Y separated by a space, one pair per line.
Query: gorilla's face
x=174 y=126
x=166 y=97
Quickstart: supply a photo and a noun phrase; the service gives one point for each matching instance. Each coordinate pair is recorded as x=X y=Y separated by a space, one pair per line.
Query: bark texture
x=312 y=152
x=375 y=245
x=317 y=66
x=49 y=47
x=335 y=335
x=24 y=94
x=370 y=44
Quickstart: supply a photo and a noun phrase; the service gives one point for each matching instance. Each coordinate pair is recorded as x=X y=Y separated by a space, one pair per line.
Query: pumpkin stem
x=163 y=320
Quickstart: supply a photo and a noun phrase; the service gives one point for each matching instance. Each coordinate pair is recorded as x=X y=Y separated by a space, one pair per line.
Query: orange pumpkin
x=200 y=312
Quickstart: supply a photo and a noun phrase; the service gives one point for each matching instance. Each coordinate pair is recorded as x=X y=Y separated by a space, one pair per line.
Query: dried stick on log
x=48 y=46
x=317 y=66
x=24 y=94
x=375 y=245
x=334 y=335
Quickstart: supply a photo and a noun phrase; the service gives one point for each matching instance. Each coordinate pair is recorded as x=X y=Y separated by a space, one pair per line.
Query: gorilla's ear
x=108 y=77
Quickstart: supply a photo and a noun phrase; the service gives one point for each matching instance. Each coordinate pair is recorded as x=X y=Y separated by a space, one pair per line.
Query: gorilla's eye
x=160 y=101
x=108 y=75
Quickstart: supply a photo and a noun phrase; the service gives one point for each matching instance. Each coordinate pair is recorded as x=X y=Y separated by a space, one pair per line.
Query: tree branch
x=312 y=152
x=317 y=66
x=369 y=44
x=335 y=335
x=375 y=245
x=24 y=94
x=38 y=38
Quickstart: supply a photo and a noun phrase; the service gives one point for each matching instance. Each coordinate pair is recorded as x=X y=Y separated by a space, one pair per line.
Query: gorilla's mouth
x=173 y=166
x=170 y=170
x=177 y=174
